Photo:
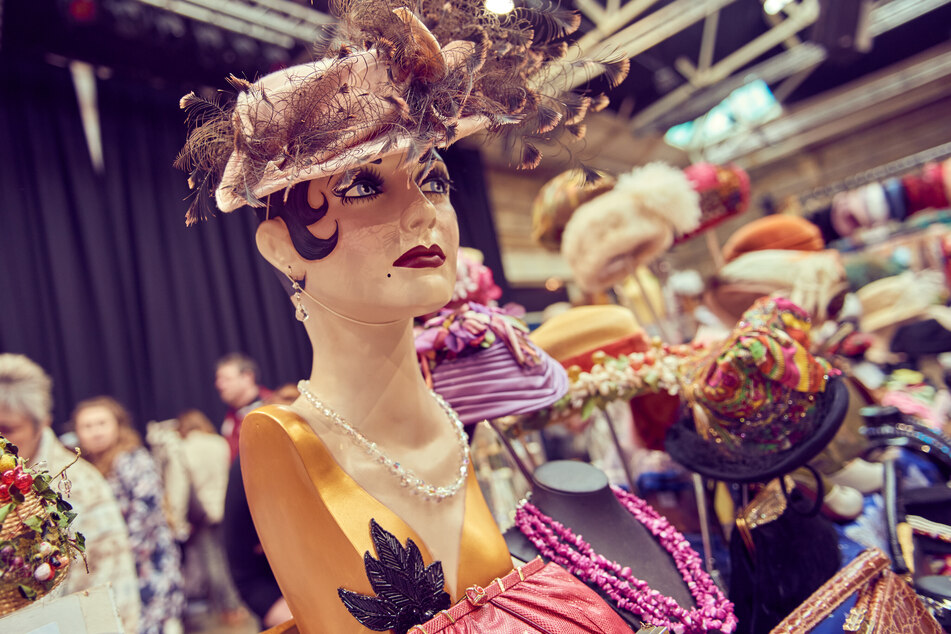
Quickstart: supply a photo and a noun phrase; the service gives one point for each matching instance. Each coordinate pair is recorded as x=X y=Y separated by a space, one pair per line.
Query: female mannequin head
x=348 y=238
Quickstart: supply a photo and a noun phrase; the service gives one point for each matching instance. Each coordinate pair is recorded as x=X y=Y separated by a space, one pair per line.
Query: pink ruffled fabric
x=479 y=359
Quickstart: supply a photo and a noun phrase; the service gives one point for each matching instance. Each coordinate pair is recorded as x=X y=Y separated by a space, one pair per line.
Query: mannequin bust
x=578 y=495
x=361 y=299
x=337 y=156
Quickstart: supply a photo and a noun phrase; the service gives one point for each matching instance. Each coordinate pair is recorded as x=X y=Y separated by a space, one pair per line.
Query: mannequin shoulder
x=280 y=414
x=275 y=436
x=275 y=419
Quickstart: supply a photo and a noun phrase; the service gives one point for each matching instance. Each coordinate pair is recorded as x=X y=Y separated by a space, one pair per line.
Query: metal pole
x=661 y=325
x=701 y=495
x=526 y=472
x=620 y=451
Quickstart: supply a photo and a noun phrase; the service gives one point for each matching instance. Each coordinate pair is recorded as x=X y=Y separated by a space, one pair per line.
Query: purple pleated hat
x=480 y=360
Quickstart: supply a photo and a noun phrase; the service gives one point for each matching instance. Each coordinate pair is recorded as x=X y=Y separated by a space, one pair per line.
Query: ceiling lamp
x=772 y=7
x=500 y=6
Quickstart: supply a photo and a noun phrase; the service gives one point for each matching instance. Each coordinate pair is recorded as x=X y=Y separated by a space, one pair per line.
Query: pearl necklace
x=557 y=543
x=406 y=476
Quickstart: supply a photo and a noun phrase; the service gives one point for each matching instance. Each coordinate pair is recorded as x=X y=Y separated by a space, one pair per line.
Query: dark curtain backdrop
x=101 y=282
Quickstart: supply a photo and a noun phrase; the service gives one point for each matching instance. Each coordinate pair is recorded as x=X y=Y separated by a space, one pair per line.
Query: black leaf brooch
x=407 y=592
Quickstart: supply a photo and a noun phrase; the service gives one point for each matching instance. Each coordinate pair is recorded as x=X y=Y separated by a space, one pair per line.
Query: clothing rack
x=882 y=172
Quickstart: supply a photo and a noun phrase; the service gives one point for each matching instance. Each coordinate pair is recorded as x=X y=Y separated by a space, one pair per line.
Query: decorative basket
x=35 y=543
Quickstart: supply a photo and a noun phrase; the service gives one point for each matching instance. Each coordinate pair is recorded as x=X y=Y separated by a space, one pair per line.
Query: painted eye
x=361 y=189
x=435 y=185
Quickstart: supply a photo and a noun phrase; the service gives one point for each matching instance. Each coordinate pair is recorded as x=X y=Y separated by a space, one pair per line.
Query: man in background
x=26 y=407
x=236 y=379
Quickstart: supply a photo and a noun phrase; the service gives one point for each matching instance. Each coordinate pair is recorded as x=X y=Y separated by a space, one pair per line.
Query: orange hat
x=574 y=335
x=781 y=231
x=578 y=336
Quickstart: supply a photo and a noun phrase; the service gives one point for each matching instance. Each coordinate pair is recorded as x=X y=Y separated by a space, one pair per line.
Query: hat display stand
x=624 y=459
x=656 y=312
x=578 y=495
x=698 y=483
x=666 y=335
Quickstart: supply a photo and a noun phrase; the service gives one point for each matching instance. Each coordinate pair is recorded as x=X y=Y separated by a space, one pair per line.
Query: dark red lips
x=421 y=258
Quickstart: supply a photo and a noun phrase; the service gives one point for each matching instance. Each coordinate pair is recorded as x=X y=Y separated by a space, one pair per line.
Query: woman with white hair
x=26 y=406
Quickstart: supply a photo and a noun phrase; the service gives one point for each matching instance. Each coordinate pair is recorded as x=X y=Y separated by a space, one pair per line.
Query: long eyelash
x=440 y=173
x=370 y=174
x=367 y=174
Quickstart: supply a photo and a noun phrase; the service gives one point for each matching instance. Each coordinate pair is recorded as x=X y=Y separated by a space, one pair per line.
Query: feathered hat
x=634 y=223
x=394 y=76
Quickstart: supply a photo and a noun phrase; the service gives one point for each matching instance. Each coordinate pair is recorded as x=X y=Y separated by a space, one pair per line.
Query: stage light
x=772 y=7
x=500 y=6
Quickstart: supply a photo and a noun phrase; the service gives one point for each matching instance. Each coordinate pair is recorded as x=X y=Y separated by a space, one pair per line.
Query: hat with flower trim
x=480 y=359
x=760 y=405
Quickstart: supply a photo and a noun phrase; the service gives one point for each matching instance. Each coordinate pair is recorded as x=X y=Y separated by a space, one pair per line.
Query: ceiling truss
x=708 y=82
x=279 y=22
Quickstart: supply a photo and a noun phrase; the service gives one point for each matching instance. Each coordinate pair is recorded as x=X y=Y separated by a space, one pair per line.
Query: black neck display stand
x=577 y=495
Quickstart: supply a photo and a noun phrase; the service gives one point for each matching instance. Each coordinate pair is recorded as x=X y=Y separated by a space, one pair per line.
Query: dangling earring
x=300 y=313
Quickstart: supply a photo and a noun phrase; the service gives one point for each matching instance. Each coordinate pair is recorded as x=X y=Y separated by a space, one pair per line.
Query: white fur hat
x=609 y=236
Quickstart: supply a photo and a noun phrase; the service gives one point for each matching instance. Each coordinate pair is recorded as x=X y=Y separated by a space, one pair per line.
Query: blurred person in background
x=206 y=458
x=236 y=379
x=249 y=567
x=109 y=442
x=26 y=407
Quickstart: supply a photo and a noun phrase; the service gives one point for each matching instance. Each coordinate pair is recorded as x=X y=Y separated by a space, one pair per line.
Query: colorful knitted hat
x=760 y=405
x=480 y=360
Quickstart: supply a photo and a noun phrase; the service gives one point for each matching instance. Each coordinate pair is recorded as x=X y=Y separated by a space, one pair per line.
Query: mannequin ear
x=274 y=243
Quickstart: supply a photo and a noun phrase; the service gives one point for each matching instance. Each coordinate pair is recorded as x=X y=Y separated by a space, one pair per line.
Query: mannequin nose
x=420 y=212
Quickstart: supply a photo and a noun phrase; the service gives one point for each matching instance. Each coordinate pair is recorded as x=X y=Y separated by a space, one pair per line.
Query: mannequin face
x=97 y=428
x=396 y=251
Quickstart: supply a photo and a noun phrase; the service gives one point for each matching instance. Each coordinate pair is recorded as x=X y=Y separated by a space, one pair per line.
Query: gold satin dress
x=313 y=521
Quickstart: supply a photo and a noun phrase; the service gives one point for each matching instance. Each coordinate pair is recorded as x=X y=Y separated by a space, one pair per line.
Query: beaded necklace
x=407 y=477
x=557 y=543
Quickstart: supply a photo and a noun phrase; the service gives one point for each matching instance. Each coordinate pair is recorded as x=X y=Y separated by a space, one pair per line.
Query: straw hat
x=811 y=279
x=574 y=335
x=558 y=200
x=900 y=298
x=583 y=336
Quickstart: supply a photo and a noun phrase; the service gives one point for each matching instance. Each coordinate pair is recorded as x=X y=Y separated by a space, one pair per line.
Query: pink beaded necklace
x=557 y=543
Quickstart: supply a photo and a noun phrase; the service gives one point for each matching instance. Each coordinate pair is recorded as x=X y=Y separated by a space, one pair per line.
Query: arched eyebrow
x=350 y=174
x=428 y=161
x=431 y=155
